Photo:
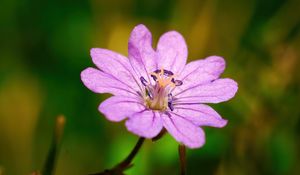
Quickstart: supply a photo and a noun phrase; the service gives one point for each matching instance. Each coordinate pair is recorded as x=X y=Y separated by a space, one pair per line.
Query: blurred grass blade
x=52 y=155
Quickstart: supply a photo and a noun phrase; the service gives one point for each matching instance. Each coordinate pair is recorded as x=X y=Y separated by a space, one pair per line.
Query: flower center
x=157 y=96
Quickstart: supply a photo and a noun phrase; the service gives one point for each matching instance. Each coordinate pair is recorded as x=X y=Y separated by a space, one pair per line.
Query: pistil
x=158 y=96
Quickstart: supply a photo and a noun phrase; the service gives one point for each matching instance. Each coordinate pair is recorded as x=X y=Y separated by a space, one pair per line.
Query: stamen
x=164 y=72
x=178 y=83
x=170 y=105
x=149 y=94
x=170 y=97
x=168 y=73
x=173 y=80
x=157 y=71
x=158 y=96
x=143 y=81
x=154 y=77
x=163 y=78
x=170 y=100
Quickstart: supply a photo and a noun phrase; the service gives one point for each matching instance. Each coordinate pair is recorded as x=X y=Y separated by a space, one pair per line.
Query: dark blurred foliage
x=45 y=45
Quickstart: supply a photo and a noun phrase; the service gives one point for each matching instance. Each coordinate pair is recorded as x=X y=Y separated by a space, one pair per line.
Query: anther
x=154 y=77
x=165 y=72
x=143 y=81
x=168 y=73
x=149 y=94
x=170 y=100
x=157 y=71
x=170 y=105
x=178 y=83
x=170 y=97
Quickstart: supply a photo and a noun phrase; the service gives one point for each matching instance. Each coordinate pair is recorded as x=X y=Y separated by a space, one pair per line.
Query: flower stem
x=126 y=163
x=160 y=135
x=182 y=159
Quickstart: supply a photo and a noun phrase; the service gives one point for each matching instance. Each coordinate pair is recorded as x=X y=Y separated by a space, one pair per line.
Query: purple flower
x=155 y=88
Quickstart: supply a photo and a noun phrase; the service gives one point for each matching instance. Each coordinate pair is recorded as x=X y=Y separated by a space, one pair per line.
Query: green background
x=45 y=45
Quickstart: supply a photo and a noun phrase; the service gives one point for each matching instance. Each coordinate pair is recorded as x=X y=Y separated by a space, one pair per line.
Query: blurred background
x=45 y=45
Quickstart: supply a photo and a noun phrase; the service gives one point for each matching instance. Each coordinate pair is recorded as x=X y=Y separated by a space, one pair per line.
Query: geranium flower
x=155 y=88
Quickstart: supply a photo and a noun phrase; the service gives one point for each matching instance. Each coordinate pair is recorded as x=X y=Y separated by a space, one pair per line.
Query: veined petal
x=117 y=108
x=199 y=114
x=140 y=52
x=201 y=72
x=172 y=51
x=146 y=123
x=215 y=92
x=184 y=131
x=101 y=82
x=116 y=65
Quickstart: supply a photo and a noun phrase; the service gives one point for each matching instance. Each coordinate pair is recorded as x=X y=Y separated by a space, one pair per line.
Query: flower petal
x=199 y=114
x=101 y=82
x=145 y=124
x=215 y=92
x=201 y=72
x=172 y=51
x=140 y=52
x=116 y=65
x=184 y=131
x=117 y=108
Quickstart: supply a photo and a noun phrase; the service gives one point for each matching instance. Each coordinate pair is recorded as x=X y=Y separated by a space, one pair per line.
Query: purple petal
x=140 y=52
x=101 y=82
x=215 y=92
x=200 y=115
x=117 y=108
x=184 y=131
x=172 y=51
x=201 y=72
x=145 y=124
x=116 y=65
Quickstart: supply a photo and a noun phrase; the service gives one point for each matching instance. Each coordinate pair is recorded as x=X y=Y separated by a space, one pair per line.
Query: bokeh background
x=45 y=45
